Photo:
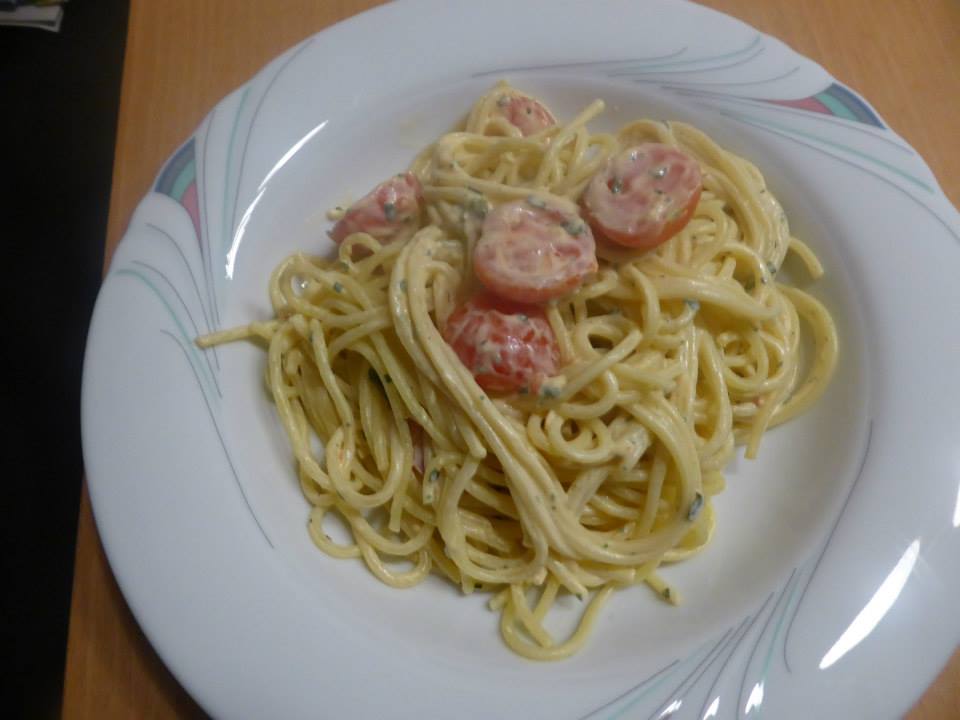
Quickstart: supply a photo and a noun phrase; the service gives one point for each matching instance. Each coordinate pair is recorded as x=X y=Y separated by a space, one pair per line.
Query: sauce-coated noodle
x=670 y=357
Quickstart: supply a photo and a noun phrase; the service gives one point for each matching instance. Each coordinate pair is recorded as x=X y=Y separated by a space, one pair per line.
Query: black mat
x=59 y=95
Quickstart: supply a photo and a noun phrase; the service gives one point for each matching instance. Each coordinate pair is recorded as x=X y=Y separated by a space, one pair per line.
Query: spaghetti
x=669 y=358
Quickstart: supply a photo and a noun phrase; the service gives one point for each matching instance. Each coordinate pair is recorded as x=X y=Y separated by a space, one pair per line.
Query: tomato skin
x=643 y=196
x=528 y=115
x=534 y=250
x=669 y=229
x=507 y=346
x=390 y=208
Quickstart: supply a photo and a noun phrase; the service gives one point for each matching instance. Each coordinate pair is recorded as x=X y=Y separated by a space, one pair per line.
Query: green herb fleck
x=390 y=211
x=341 y=265
x=573 y=227
x=372 y=374
x=403 y=285
x=606 y=546
x=478 y=207
x=549 y=393
x=434 y=476
x=616 y=186
x=536 y=202
x=523 y=317
x=749 y=284
x=666 y=593
x=337 y=287
x=692 y=304
x=771 y=268
x=387 y=379
x=695 y=507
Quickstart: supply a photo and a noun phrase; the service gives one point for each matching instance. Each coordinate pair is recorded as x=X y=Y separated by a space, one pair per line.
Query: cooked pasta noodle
x=669 y=358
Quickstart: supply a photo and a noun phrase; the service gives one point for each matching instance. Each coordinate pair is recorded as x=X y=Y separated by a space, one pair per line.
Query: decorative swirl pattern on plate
x=731 y=672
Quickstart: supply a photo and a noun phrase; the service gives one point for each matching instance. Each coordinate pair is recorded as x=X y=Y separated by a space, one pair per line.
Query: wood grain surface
x=182 y=56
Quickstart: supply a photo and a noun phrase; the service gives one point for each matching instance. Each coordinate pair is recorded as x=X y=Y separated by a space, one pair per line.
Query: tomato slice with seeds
x=644 y=195
x=534 y=250
x=391 y=209
x=507 y=346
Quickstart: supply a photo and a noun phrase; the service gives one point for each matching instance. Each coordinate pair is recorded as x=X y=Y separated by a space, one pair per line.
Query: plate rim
x=87 y=406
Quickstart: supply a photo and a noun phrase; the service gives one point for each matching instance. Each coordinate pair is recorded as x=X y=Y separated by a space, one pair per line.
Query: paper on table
x=44 y=18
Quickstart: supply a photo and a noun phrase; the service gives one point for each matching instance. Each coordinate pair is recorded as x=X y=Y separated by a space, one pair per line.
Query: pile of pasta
x=670 y=357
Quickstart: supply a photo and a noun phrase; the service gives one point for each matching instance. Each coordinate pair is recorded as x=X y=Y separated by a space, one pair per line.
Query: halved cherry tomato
x=534 y=250
x=644 y=195
x=390 y=208
x=526 y=114
x=509 y=347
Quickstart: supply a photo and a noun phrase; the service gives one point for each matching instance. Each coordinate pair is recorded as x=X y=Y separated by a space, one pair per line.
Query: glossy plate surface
x=830 y=587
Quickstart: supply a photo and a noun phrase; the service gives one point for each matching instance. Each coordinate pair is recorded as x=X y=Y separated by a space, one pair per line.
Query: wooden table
x=182 y=56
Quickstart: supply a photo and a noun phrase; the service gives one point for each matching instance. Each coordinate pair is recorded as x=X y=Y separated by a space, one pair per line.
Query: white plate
x=831 y=587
